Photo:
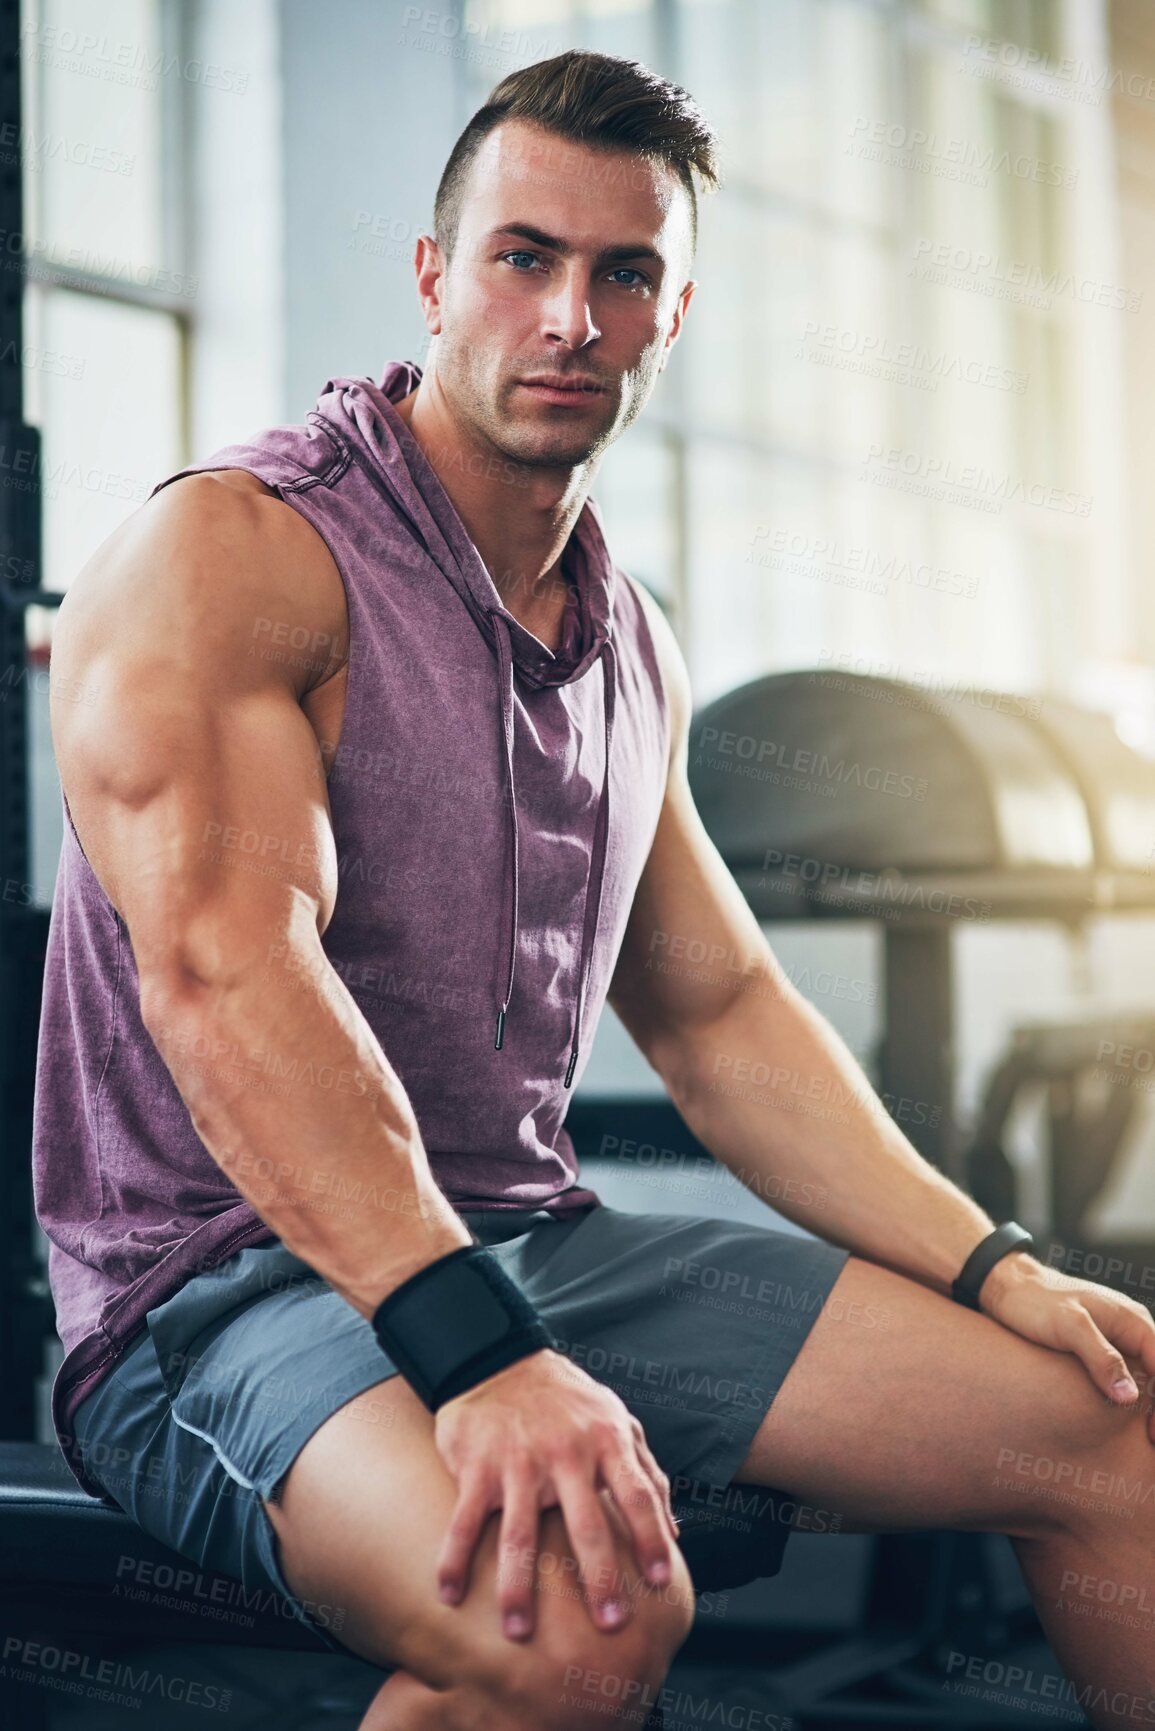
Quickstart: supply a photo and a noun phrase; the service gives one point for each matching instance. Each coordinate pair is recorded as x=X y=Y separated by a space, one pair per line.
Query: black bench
x=72 y=1568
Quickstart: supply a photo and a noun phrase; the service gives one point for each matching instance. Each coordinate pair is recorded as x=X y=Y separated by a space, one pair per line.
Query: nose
x=566 y=312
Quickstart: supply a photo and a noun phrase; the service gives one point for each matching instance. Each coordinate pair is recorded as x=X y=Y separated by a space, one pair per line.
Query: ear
x=680 y=310
x=430 y=268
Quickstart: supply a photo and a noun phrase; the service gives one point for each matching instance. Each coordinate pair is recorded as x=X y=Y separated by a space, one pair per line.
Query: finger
x=465 y=1524
x=1106 y=1364
x=642 y=1505
x=661 y=1481
x=517 y=1555
x=588 y=1527
x=1127 y=1323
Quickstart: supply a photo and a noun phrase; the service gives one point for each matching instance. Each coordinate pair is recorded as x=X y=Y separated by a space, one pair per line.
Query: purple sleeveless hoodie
x=493 y=806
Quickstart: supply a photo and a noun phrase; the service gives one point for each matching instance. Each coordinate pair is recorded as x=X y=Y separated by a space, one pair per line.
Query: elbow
x=180 y=979
x=171 y=990
x=698 y=1060
x=677 y=1057
x=218 y=960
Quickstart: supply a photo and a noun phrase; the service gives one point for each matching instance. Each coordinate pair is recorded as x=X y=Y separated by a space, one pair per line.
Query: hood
x=365 y=416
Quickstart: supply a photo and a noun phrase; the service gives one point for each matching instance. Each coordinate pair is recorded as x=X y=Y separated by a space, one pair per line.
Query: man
x=379 y=791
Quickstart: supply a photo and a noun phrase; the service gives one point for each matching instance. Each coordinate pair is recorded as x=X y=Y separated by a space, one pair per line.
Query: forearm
x=291 y=1094
x=775 y=1095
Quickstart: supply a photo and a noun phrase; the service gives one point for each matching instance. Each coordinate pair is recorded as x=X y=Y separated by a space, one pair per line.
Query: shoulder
x=230 y=499
x=215 y=555
x=671 y=665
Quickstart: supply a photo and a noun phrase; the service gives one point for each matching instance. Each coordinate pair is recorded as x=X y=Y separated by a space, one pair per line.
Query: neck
x=518 y=517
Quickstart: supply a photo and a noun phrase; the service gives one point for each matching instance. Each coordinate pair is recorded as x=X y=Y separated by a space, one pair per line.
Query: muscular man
x=376 y=792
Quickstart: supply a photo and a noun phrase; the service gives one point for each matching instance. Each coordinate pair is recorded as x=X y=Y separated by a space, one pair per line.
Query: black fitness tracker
x=456 y=1322
x=997 y=1244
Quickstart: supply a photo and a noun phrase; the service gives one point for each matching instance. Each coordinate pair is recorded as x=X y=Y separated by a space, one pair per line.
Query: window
x=891 y=427
x=108 y=302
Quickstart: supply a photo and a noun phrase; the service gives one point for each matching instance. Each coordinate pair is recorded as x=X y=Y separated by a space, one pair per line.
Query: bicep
x=191 y=771
x=691 y=941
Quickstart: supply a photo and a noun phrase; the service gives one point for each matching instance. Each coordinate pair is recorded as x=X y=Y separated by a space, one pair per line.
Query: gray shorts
x=693 y=1321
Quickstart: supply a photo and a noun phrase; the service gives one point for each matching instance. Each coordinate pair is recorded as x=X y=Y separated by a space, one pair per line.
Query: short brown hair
x=593 y=99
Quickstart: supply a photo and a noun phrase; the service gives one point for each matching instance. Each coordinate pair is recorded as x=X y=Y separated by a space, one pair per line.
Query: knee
x=577 y=1676
x=616 y=1676
x=1091 y=1460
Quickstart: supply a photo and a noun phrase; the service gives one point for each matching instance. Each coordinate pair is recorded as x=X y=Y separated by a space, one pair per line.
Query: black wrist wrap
x=456 y=1322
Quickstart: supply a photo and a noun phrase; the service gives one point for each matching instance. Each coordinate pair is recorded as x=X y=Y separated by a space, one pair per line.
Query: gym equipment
x=833 y=795
x=1093 y=1074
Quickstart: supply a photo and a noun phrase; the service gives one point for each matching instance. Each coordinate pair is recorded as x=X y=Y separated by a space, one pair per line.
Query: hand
x=542 y=1432
x=1095 y=1324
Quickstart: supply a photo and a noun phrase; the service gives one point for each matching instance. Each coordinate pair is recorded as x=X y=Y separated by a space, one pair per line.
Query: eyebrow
x=610 y=254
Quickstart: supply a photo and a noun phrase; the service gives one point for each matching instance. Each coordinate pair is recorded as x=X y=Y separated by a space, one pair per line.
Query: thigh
x=173 y=1478
x=360 y=1518
x=905 y=1409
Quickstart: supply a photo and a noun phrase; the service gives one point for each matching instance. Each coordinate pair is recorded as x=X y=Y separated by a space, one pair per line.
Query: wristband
x=457 y=1322
x=997 y=1244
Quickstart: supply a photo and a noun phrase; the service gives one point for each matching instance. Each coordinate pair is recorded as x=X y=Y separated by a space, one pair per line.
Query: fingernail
x=517 y=1623
x=1125 y=1388
x=614 y=1611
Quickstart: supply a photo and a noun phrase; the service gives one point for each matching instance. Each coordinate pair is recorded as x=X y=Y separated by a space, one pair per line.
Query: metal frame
x=25 y=1305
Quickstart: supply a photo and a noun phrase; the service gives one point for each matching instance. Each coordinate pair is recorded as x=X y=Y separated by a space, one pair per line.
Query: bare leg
x=905 y=1410
x=359 y=1523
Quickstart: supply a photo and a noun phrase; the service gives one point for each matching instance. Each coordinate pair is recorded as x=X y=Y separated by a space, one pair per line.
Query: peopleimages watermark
x=901 y=362
x=970 y=484
x=1125 y=1065
x=114 y=1680
x=628 y=1699
x=679 y=1170
x=803 y=768
x=42 y=679
x=1071 y=77
x=989 y=274
x=92 y=54
x=1024 y=1685
x=755 y=972
x=25 y=470
x=791 y=1089
x=1126 y=1604
x=1101 y=1266
x=19 y=142
x=824 y=559
x=896 y=145
x=469 y=38
x=935 y=692
x=42 y=260
x=885 y=894
x=1071 y=1483
x=212 y=1596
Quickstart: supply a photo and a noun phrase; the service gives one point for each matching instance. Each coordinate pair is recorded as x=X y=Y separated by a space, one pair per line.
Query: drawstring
x=505 y=685
x=601 y=830
x=598 y=863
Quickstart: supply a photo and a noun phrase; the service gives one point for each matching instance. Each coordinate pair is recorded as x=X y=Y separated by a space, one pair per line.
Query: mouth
x=563 y=391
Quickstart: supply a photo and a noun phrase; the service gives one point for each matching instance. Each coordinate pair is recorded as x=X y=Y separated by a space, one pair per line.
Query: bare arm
x=741 y=1050
x=770 y=1088
x=196 y=785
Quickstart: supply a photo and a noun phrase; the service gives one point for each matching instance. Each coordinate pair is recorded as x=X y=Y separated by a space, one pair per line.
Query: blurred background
x=904 y=431
x=903 y=437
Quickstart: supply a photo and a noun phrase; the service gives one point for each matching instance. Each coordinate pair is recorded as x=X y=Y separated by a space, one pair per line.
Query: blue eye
x=642 y=281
